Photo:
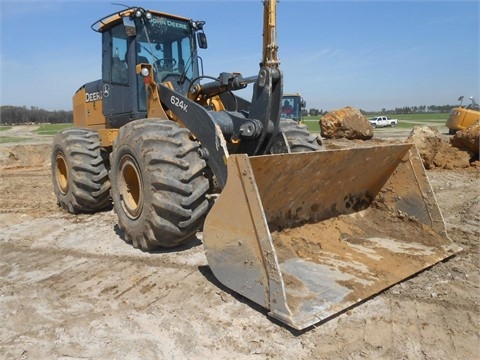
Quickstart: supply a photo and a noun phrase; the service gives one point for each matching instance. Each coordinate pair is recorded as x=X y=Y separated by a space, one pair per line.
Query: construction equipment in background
x=461 y=117
x=292 y=107
x=304 y=233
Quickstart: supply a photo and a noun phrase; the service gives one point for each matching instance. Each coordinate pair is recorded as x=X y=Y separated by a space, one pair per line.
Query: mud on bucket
x=308 y=235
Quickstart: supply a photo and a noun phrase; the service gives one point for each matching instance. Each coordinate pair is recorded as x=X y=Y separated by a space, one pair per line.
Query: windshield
x=167 y=44
x=291 y=107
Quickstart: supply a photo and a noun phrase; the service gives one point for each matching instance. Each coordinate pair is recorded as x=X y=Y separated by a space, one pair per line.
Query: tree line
x=16 y=115
x=398 y=110
x=419 y=109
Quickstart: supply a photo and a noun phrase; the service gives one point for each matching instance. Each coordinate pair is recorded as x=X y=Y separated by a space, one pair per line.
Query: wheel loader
x=303 y=231
x=292 y=106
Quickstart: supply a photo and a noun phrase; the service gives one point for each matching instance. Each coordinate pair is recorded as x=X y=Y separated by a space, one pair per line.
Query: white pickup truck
x=382 y=121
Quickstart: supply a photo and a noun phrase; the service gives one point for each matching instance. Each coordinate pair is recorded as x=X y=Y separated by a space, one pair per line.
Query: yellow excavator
x=461 y=117
x=303 y=231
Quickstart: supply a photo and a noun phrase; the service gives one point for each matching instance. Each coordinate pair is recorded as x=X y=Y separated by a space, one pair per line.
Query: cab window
x=118 y=56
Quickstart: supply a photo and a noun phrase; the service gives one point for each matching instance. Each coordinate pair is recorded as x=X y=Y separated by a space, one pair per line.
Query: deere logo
x=95 y=96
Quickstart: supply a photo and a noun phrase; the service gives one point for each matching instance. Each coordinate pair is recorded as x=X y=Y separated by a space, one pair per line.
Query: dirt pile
x=468 y=139
x=19 y=156
x=436 y=153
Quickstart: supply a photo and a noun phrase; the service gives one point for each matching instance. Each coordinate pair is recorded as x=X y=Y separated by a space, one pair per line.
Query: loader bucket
x=309 y=235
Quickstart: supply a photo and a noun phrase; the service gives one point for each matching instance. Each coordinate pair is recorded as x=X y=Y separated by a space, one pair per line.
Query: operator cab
x=135 y=36
x=292 y=106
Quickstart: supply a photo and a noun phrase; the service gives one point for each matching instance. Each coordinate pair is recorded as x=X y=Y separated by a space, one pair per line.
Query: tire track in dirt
x=65 y=289
x=71 y=287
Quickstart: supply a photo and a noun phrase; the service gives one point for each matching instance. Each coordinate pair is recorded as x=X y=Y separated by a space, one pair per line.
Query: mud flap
x=308 y=235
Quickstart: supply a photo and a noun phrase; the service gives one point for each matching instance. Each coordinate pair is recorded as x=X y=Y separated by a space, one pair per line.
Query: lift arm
x=268 y=90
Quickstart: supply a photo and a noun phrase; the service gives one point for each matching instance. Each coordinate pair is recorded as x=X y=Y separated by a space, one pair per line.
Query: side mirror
x=202 y=40
x=303 y=103
x=129 y=26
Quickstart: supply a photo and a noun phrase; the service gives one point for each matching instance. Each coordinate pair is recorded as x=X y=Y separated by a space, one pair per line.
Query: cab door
x=117 y=99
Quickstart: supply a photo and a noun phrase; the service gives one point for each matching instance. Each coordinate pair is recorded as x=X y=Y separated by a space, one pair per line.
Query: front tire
x=158 y=184
x=79 y=172
x=295 y=137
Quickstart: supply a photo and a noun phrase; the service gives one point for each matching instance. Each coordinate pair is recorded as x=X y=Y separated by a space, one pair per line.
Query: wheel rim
x=130 y=187
x=61 y=173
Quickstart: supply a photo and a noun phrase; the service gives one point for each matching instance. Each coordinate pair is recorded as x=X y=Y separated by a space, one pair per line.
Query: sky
x=366 y=54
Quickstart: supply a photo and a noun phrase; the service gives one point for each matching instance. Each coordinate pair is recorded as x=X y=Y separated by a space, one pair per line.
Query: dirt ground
x=71 y=288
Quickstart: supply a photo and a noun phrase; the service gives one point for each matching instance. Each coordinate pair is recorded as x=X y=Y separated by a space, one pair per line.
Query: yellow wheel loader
x=292 y=107
x=303 y=231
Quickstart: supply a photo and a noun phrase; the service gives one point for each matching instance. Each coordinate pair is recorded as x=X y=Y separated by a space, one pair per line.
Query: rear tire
x=295 y=137
x=158 y=184
x=79 y=172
